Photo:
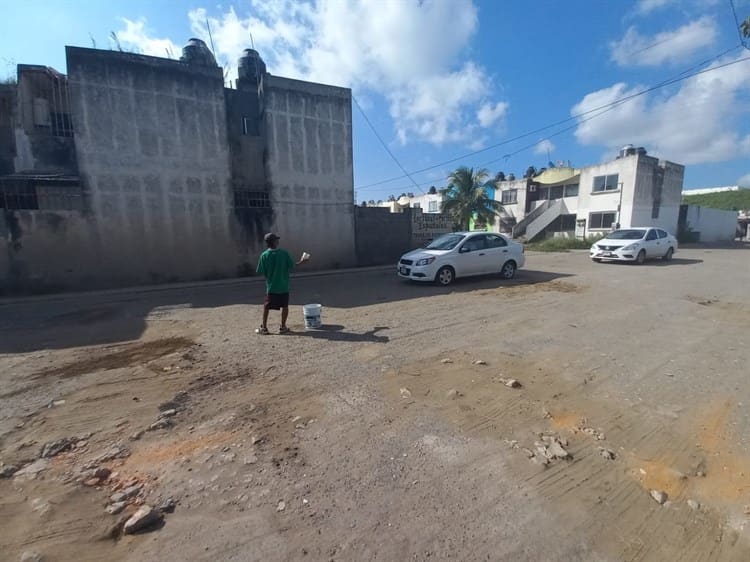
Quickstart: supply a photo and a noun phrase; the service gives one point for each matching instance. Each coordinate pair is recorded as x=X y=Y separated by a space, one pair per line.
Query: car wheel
x=445 y=276
x=641 y=258
x=508 y=270
x=669 y=254
x=597 y=260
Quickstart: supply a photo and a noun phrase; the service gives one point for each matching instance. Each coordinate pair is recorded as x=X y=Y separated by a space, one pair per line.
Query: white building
x=632 y=190
x=704 y=190
x=428 y=202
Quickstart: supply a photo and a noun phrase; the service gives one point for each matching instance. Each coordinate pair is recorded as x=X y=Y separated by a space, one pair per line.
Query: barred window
x=245 y=199
x=18 y=195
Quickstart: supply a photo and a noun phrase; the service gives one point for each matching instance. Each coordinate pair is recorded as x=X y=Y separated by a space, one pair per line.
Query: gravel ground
x=395 y=433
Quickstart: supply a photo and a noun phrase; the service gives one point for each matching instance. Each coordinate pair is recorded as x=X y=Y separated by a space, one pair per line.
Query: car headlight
x=425 y=261
x=630 y=247
x=595 y=248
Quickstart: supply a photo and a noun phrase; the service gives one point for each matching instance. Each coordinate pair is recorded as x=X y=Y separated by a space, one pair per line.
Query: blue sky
x=443 y=78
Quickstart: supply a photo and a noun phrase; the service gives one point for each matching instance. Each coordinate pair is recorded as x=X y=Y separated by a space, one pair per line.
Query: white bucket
x=312 y=316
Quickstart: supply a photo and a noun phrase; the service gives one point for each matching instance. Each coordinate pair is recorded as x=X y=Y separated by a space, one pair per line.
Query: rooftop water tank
x=196 y=52
x=250 y=66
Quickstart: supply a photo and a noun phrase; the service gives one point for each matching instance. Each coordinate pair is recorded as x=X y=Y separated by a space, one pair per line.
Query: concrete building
x=134 y=169
x=632 y=190
x=704 y=190
x=703 y=224
x=429 y=202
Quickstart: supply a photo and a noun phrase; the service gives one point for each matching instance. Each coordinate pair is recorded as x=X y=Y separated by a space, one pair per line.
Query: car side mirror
x=463 y=250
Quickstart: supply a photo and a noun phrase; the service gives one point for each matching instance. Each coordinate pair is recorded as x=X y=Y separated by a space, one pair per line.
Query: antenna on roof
x=93 y=41
x=113 y=35
x=252 y=42
x=210 y=37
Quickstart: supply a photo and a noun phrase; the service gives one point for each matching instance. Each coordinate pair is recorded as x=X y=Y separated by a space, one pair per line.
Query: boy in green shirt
x=275 y=264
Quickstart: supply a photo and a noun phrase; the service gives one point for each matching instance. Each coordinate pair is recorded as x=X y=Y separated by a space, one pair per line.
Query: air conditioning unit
x=532 y=189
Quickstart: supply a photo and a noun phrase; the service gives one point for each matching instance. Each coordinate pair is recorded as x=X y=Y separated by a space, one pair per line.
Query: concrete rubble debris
x=145 y=517
x=115 y=508
x=161 y=423
x=446 y=361
x=453 y=393
x=281 y=506
x=32 y=470
x=552 y=448
x=479 y=362
x=512 y=383
x=607 y=453
x=659 y=496
x=55 y=403
x=31 y=556
x=126 y=494
x=694 y=505
x=167 y=506
x=54 y=448
x=168 y=413
x=405 y=392
x=8 y=470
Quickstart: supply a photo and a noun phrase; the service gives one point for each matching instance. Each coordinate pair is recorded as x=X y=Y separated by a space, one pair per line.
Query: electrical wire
x=684 y=75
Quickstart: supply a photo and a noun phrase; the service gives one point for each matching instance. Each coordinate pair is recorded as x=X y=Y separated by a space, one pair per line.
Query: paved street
x=381 y=437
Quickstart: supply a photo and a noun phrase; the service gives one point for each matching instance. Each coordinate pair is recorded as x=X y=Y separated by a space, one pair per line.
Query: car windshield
x=445 y=242
x=626 y=235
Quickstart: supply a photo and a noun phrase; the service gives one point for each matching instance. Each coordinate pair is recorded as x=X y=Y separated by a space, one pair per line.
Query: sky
x=444 y=83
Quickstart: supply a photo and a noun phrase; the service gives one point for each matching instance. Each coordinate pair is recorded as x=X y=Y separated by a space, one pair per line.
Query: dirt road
x=395 y=433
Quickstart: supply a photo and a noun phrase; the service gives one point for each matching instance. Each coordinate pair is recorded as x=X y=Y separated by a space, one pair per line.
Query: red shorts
x=276 y=301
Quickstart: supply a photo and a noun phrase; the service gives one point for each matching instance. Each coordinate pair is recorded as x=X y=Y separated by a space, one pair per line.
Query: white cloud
x=744 y=181
x=647 y=6
x=135 y=36
x=544 y=147
x=490 y=113
x=697 y=123
x=673 y=46
x=410 y=53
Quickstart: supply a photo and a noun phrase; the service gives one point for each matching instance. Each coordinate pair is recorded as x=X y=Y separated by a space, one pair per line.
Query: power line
x=385 y=146
x=678 y=78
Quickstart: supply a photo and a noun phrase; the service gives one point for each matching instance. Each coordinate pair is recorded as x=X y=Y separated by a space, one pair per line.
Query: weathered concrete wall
x=152 y=150
x=657 y=181
x=712 y=225
x=381 y=236
x=309 y=167
x=7 y=126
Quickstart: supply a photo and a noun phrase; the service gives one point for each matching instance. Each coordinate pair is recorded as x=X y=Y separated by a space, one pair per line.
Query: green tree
x=466 y=197
x=745 y=27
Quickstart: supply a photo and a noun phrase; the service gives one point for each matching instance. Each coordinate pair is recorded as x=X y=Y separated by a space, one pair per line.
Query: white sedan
x=635 y=245
x=462 y=254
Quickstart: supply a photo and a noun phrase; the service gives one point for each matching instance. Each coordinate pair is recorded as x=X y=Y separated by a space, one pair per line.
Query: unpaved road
x=379 y=438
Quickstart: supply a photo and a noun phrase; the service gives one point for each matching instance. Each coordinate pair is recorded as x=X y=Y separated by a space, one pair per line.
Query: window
x=18 y=195
x=556 y=192
x=651 y=235
x=571 y=190
x=510 y=196
x=494 y=241
x=543 y=193
x=606 y=183
x=244 y=199
x=473 y=244
x=601 y=220
x=661 y=233
x=432 y=206
x=416 y=205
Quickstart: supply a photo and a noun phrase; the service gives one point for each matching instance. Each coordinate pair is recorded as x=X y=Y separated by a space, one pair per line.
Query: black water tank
x=196 y=52
x=251 y=67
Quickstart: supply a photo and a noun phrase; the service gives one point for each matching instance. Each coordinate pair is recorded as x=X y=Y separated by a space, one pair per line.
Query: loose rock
x=137 y=435
x=32 y=470
x=512 y=383
x=30 y=556
x=102 y=473
x=168 y=413
x=145 y=517
x=694 y=505
x=453 y=393
x=607 y=453
x=161 y=423
x=167 y=506
x=54 y=448
x=115 y=508
x=659 y=496
x=115 y=451
x=281 y=506
x=8 y=470
x=479 y=362
x=405 y=392
x=446 y=361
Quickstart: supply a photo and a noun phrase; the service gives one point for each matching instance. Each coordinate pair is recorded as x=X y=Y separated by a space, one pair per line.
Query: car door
x=651 y=244
x=664 y=241
x=497 y=251
x=471 y=256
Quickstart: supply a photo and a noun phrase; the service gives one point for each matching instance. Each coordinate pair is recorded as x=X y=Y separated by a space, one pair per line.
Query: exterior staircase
x=520 y=228
x=552 y=211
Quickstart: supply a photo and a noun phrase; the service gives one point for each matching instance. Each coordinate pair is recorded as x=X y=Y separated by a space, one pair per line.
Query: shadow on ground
x=77 y=320
x=335 y=332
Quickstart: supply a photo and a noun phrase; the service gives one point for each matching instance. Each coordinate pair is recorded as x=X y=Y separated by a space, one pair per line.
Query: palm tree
x=745 y=27
x=466 y=197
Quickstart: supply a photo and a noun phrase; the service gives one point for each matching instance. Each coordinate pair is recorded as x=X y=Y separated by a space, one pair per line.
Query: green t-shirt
x=275 y=265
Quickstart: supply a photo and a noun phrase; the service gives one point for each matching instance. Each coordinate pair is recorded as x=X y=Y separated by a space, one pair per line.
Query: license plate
x=403 y=271
x=607 y=254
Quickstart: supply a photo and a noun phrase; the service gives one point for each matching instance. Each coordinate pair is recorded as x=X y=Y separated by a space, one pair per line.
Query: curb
x=230 y=282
